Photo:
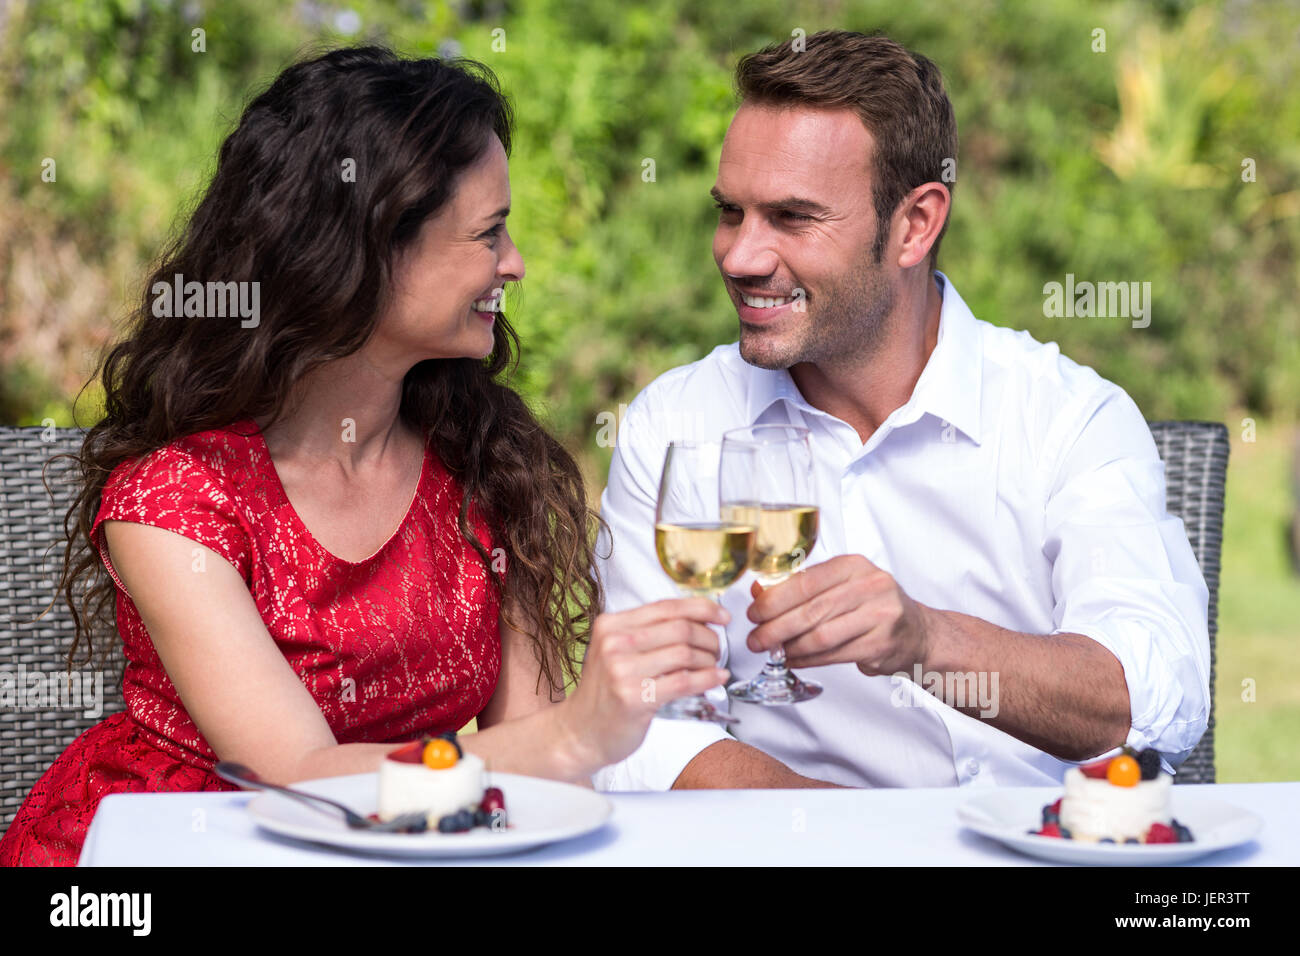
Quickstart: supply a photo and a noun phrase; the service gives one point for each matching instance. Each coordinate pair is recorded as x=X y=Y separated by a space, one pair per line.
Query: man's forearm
x=1062 y=693
x=731 y=765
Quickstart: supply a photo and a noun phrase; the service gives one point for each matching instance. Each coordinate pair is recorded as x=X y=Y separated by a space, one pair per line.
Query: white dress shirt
x=1014 y=485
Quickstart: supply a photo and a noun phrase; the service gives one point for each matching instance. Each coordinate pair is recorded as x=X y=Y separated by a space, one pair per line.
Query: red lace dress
x=401 y=644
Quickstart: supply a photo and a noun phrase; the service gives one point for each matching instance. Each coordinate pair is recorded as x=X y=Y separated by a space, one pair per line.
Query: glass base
x=775 y=687
x=695 y=708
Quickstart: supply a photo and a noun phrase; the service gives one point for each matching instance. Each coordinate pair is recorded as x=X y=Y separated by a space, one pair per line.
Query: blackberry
x=1149 y=761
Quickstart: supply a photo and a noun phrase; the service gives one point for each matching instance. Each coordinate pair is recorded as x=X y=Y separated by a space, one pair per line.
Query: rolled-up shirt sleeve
x=632 y=577
x=1124 y=574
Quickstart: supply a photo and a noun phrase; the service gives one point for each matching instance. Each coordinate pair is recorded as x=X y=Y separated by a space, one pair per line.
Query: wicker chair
x=31 y=556
x=1196 y=471
x=31 y=534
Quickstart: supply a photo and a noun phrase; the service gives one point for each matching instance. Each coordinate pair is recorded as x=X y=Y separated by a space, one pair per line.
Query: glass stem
x=776 y=656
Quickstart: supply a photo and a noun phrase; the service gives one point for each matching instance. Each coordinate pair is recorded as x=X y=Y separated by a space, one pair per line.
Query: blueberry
x=1065 y=834
x=1183 y=834
x=481 y=817
x=1050 y=817
x=1105 y=840
x=1132 y=840
x=457 y=822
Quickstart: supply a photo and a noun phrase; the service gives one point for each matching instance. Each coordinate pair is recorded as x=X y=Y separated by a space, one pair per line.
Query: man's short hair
x=898 y=95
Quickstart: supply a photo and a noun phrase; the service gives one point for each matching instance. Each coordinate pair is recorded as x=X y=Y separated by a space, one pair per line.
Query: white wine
x=786 y=534
x=704 y=557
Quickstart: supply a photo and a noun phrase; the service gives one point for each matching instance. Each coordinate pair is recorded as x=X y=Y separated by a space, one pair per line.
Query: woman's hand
x=639 y=660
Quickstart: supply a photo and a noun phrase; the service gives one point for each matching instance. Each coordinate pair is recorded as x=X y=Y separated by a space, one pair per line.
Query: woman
x=328 y=527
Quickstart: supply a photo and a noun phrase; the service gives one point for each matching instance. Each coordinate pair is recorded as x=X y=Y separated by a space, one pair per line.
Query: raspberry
x=1161 y=833
x=1052 y=813
x=1096 y=770
x=1050 y=830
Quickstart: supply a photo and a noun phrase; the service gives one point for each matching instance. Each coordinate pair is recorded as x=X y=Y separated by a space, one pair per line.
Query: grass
x=1259 y=606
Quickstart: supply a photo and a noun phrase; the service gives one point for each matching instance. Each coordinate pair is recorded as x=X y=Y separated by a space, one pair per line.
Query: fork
x=237 y=773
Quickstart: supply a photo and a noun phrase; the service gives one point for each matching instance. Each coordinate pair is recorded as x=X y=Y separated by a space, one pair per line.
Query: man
x=997 y=591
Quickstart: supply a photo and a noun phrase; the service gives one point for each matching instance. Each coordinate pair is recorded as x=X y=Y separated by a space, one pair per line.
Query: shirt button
x=972 y=766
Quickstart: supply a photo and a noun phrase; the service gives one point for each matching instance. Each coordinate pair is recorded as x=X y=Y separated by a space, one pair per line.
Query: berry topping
x=439 y=754
x=1184 y=835
x=457 y=822
x=493 y=803
x=1050 y=830
x=1149 y=761
x=1096 y=770
x=1161 y=833
x=1066 y=834
x=1124 y=772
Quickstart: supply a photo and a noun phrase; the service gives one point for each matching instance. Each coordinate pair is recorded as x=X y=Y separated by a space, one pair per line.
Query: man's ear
x=919 y=220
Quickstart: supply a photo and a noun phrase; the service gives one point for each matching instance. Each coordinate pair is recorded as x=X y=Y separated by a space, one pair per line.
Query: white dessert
x=1093 y=809
x=407 y=786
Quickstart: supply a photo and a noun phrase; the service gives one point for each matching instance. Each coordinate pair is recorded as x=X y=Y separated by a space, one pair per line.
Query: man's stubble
x=843 y=324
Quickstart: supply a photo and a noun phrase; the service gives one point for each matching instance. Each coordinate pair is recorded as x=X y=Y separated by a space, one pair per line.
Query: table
x=800 y=827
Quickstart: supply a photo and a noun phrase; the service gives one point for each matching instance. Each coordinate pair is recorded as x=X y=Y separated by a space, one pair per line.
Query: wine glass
x=697 y=548
x=768 y=482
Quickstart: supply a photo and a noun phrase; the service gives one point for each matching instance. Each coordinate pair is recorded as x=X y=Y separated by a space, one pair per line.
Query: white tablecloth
x=744 y=827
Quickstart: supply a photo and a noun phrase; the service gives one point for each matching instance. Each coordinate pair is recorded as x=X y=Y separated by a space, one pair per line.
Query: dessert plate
x=1006 y=815
x=539 y=812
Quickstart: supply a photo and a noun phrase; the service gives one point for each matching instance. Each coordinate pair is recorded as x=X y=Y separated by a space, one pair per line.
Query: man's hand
x=842 y=610
x=1063 y=693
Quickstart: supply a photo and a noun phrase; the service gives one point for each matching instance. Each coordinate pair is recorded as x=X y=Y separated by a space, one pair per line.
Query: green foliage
x=1116 y=165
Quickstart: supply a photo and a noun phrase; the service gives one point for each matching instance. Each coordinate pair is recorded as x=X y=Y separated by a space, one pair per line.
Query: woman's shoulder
x=225 y=459
x=202 y=486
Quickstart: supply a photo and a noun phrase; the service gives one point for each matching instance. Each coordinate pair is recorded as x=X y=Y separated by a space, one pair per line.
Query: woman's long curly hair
x=322 y=245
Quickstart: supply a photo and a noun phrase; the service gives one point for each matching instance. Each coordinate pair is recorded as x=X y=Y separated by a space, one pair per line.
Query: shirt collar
x=949 y=385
